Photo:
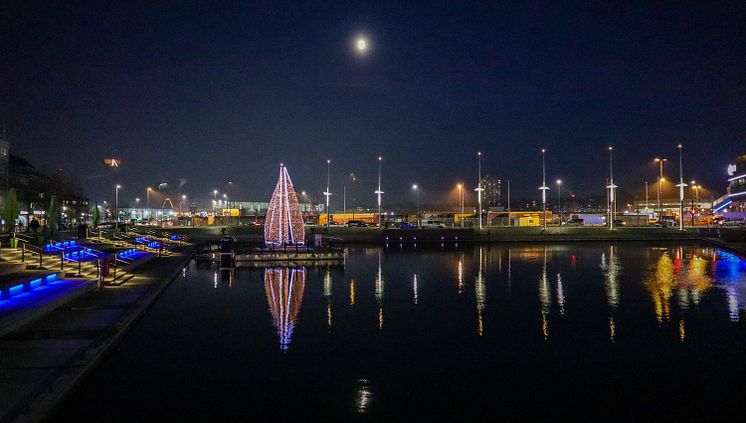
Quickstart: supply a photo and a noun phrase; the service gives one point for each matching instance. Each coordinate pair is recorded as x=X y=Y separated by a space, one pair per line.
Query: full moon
x=361 y=45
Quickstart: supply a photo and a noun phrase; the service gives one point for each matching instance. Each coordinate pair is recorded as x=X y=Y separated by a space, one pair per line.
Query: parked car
x=434 y=224
x=733 y=221
x=405 y=225
x=356 y=223
x=620 y=222
x=575 y=222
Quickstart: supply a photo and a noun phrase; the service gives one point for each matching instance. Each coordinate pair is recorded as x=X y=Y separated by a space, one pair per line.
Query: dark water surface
x=576 y=331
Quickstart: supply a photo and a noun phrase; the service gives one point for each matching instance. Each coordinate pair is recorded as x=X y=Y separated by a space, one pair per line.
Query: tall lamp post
x=147 y=194
x=681 y=186
x=461 y=196
x=544 y=186
x=116 y=202
x=559 y=200
x=479 y=188
x=378 y=191
x=612 y=188
x=660 y=162
x=417 y=191
x=696 y=188
x=214 y=202
x=327 y=193
x=352 y=193
x=137 y=206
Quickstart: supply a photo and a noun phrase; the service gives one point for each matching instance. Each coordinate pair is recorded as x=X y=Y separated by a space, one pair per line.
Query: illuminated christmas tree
x=284 y=222
x=284 y=290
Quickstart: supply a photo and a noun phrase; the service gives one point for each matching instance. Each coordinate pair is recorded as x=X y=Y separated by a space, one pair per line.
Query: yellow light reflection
x=660 y=282
x=352 y=292
x=460 y=276
x=682 y=331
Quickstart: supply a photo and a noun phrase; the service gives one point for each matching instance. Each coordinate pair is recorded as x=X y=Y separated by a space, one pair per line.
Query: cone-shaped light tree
x=284 y=222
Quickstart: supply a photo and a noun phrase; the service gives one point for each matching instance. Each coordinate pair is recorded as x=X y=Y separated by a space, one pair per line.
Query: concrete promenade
x=42 y=362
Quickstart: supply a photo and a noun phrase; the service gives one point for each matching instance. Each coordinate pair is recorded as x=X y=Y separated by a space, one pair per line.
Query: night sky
x=221 y=91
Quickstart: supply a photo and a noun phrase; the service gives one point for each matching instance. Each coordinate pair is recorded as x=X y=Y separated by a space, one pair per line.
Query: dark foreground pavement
x=43 y=361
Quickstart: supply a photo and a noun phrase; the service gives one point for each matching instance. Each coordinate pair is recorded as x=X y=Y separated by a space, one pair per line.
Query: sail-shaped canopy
x=284 y=221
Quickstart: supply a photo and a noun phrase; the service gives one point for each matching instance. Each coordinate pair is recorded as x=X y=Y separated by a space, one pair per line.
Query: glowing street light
x=147 y=194
x=660 y=162
x=378 y=191
x=461 y=196
x=681 y=186
x=612 y=189
x=417 y=191
x=544 y=186
x=116 y=202
x=559 y=200
x=479 y=188
x=696 y=188
x=214 y=202
x=327 y=193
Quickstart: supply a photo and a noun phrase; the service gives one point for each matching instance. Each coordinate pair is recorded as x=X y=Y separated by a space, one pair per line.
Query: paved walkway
x=42 y=361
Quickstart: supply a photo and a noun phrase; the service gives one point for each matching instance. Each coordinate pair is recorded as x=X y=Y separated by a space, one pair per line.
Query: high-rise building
x=491 y=197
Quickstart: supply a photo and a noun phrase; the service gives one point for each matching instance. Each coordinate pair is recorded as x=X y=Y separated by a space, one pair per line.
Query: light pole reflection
x=611 y=268
x=545 y=297
x=379 y=292
x=480 y=291
x=328 y=295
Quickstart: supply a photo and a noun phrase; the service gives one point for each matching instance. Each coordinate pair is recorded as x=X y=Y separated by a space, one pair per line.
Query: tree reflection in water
x=284 y=287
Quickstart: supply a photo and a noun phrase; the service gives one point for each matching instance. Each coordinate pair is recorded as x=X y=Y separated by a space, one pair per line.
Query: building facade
x=491 y=197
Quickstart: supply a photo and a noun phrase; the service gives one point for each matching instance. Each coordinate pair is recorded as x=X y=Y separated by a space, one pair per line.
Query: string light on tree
x=284 y=221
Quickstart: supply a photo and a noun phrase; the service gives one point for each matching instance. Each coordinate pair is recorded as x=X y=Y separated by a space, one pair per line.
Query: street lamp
x=147 y=194
x=327 y=193
x=352 y=193
x=660 y=162
x=612 y=189
x=681 y=186
x=559 y=200
x=417 y=191
x=378 y=191
x=696 y=188
x=544 y=186
x=116 y=202
x=214 y=202
x=461 y=196
x=137 y=205
x=479 y=188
